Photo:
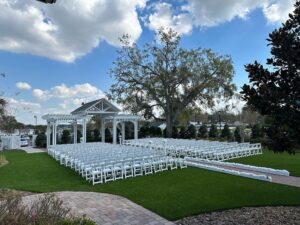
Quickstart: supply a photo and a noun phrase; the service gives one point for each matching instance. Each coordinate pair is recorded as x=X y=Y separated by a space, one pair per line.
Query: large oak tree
x=163 y=77
x=275 y=91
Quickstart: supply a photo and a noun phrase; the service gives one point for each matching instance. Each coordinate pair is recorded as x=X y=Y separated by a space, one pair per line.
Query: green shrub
x=175 y=133
x=66 y=137
x=213 y=131
x=226 y=133
x=237 y=134
x=191 y=132
x=41 y=140
x=182 y=132
x=202 y=131
x=256 y=132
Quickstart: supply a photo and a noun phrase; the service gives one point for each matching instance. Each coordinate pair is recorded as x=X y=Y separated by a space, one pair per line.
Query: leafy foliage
x=275 y=92
x=256 y=131
x=191 y=132
x=203 y=131
x=66 y=137
x=238 y=134
x=226 y=133
x=213 y=131
x=41 y=140
x=164 y=77
x=79 y=135
x=182 y=132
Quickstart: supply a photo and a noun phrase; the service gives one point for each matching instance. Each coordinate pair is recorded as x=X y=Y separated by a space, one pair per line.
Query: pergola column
x=123 y=131
x=84 y=130
x=48 y=134
x=136 y=136
x=102 y=130
x=114 y=131
x=75 y=131
x=54 y=133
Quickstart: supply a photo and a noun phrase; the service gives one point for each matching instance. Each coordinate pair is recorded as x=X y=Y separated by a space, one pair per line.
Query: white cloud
x=279 y=10
x=60 y=99
x=213 y=12
x=40 y=94
x=203 y=13
x=23 y=110
x=82 y=92
x=67 y=30
x=23 y=86
x=67 y=98
x=163 y=16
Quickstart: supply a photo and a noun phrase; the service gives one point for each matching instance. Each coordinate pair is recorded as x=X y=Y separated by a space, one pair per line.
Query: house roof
x=97 y=106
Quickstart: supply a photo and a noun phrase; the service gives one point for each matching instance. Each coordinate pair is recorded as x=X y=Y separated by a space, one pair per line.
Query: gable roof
x=84 y=108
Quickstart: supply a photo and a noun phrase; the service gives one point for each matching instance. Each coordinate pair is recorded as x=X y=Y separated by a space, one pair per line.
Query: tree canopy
x=163 y=79
x=274 y=91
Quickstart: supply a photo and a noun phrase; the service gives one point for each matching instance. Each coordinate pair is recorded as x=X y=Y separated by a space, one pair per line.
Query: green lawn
x=275 y=160
x=172 y=194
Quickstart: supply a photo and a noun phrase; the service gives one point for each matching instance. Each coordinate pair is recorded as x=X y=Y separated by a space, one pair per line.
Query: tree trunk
x=169 y=124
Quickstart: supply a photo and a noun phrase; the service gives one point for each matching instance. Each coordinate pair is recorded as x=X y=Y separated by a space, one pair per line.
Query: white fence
x=10 y=142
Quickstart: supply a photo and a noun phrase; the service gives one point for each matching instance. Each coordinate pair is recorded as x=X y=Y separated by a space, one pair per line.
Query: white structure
x=101 y=108
x=10 y=142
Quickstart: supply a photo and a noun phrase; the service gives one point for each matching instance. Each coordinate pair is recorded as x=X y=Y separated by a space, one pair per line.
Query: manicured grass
x=275 y=161
x=171 y=194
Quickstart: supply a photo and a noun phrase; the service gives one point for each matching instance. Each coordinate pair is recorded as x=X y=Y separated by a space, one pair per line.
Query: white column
x=48 y=134
x=75 y=132
x=102 y=130
x=114 y=131
x=54 y=126
x=84 y=131
x=136 y=136
x=123 y=131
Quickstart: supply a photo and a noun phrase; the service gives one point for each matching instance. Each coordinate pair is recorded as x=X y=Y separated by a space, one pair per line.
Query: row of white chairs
x=212 y=150
x=102 y=162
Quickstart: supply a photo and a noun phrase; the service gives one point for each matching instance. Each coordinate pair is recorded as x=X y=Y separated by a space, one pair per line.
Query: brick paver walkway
x=106 y=209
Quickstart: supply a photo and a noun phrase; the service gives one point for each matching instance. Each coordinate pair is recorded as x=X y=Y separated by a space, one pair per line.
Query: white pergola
x=101 y=108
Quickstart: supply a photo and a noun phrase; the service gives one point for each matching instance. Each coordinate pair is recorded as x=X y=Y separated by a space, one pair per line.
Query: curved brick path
x=106 y=209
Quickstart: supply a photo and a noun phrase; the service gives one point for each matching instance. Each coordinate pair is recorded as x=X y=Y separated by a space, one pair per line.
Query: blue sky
x=53 y=66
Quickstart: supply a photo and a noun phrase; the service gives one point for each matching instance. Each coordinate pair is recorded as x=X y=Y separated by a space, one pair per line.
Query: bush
x=66 y=137
x=191 y=132
x=79 y=135
x=226 y=133
x=96 y=135
x=154 y=131
x=237 y=134
x=256 y=132
x=108 y=136
x=175 y=133
x=144 y=131
x=41 y=140
x=202 y=131
x=46 y=210
x=182 y=133
x=213 y=131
